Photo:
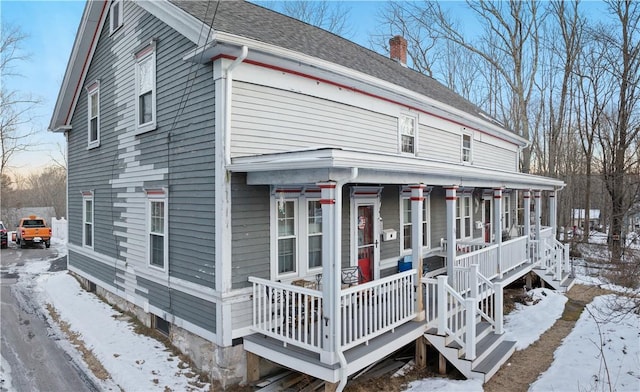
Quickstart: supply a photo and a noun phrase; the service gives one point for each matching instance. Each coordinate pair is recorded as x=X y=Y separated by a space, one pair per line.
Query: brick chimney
x=398 y=49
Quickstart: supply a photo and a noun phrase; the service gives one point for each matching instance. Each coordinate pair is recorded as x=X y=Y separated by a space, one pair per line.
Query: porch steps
x=492 y=351
x=563 y=285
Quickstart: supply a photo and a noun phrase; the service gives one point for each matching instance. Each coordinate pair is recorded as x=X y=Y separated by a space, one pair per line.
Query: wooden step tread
x=496 y=358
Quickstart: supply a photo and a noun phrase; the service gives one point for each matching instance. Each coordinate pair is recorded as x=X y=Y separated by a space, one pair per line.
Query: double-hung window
x=506 y=211
x=93 y=109
x=466 y=148
x=407 y=222
x=287 y=236
x=407 y=134
x=157 y=228
x=115 y=15
x=297 y=233
x=463 y=217
x=87 y=219
x=146 y=88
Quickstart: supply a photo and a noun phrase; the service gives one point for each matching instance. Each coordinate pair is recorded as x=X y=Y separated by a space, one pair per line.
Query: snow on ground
x=139 y=363
x=599 y=354
x=135 y=362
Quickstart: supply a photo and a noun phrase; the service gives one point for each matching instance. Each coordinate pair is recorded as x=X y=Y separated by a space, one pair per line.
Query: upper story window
x=466 y=148
x=407 y=131
x=115 y=15
x=406 y=222
x=93 y=110
x=157 y=228
x=463 y=217
x=87 y=219
x=297 y=229
x=146 y=89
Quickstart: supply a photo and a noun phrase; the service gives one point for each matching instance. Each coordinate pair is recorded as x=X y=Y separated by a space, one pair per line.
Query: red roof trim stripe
x=350 y=88
x=86 y=59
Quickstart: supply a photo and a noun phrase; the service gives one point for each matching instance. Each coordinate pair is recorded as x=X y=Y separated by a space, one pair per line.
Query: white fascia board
x=189 y=26
x=397 y=91
x=83 y=46
x=386 y=163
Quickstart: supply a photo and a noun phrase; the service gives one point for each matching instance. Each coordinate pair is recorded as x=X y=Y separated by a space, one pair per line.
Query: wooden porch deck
x=379 y=317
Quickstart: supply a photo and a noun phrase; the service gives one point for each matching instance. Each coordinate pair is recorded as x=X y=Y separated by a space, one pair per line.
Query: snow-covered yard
x=600 y=353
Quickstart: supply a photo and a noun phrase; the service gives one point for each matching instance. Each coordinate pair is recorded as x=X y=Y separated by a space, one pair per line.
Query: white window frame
x=158 y=196
x=146 y=54
x=301 y=200
x=506 y=211
x=464 y=219
x=407 y=126
x=309 y=234
x=426 y=219
x=88 y=197
x=468 y=157
x=93 y=90
x=116 y=10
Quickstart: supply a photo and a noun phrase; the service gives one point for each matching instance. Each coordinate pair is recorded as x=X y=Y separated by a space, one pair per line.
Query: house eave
x=324 y=163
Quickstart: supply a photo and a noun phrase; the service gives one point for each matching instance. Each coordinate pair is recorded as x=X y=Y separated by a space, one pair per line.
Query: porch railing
x=486 y=258
x=463 y=246
x=288 y=313
x=514 y=254
x=293 y=314
x=373 y=308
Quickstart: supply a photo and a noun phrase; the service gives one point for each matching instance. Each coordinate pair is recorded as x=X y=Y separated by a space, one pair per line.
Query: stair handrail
x=454 y=311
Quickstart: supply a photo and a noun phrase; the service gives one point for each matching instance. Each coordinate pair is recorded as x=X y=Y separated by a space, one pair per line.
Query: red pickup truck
x=33 y=230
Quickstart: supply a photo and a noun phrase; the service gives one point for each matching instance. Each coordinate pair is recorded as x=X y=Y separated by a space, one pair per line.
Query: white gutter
x=336 y=278
x=227 y=109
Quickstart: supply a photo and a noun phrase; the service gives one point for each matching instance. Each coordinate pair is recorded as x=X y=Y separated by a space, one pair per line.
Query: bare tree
x=332 y=16
x=621 y=127
x=15 y=108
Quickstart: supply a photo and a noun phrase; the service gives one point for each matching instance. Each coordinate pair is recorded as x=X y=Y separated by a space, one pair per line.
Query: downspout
x=227 y=109
x=337 y=281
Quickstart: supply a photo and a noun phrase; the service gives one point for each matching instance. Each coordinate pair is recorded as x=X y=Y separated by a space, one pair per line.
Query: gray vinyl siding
x=268 y=120
x=390 y=214
x=178 y=155
x=438 y=216
x=250 y=231
x=185 y=306
x=100 y=271
x=491 y=156
x=439 y=144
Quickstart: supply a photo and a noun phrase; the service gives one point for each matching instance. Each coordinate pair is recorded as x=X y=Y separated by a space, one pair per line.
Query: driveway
x=31 y=358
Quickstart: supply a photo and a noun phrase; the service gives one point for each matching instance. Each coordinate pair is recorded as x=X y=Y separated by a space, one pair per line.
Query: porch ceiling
x=324 y=164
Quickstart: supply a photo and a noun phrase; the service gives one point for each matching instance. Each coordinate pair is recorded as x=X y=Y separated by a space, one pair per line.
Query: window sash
x=94 y=115
x=407 y=223
x=463 y=217
x=146 y=89
x=407 y=134
x=287 y=236
x=87 y=238
x=157 y=224
x=314 y=234
x=466 y=148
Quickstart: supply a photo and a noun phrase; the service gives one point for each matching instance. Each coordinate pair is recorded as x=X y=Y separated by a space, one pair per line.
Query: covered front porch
x=444 y=280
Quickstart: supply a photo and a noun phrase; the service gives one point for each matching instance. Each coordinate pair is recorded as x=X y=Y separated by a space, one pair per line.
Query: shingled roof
x=252 y=21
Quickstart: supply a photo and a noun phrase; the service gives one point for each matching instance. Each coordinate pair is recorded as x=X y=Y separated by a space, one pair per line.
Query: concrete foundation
x=226 y=365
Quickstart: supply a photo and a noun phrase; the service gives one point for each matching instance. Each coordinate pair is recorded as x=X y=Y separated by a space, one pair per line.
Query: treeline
x=46 y=188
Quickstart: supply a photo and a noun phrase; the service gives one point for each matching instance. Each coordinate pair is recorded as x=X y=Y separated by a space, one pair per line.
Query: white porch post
x=553 y=210
x=498 y=287
x=451 y=230
x=527 y=213
x=497 y=225
x=417 y=202
x=538 y=217
x=331 y=272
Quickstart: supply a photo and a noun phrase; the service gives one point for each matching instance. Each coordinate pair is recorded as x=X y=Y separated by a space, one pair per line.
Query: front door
x=366 y=241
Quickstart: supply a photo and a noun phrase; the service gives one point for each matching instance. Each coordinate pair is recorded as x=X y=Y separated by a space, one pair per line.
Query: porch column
x=330 y=273
x=417 y=202
x=527 y=213
x=451 y=230
x=553 y=208
x=497 y=224
x=538 y=217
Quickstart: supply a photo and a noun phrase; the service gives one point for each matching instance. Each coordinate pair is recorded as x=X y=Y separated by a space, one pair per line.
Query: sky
x=51 y=26
x=138 y=363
